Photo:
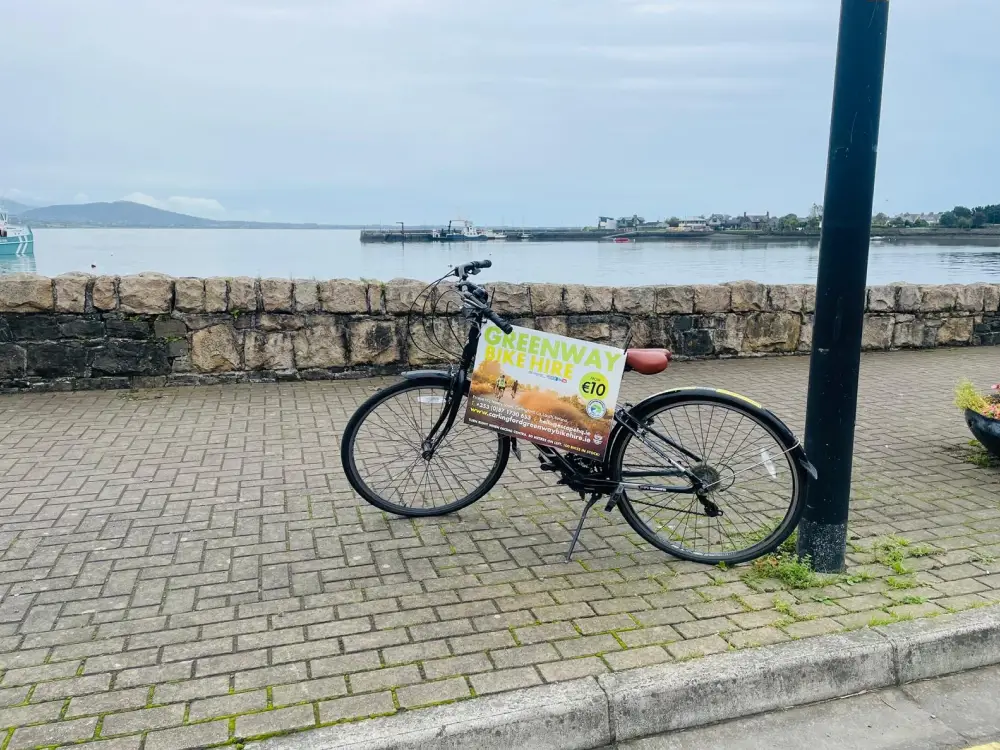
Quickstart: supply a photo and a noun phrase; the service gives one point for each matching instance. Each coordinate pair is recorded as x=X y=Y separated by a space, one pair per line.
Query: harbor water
x=324 y=254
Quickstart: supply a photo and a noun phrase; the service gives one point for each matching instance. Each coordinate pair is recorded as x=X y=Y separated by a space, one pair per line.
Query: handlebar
x=502 y=324
x=472 y=268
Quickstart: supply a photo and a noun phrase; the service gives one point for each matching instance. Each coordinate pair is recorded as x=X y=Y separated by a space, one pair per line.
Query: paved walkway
x=187 y=567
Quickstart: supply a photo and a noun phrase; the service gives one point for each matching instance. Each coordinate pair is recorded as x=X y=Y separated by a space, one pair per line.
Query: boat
x=15 y=240
x=459 y=230
x=622 y=240
x=494 y=234
x=525 y=236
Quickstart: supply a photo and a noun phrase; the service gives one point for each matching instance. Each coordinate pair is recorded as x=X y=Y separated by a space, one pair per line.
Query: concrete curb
x=588 y=713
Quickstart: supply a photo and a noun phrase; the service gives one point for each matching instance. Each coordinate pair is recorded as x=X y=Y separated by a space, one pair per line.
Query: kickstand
x=579 y=527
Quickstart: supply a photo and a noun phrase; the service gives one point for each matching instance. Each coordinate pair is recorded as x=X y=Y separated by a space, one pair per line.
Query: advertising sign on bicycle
x=545 y=388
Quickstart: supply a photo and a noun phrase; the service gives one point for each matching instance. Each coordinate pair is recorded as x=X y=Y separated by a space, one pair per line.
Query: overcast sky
x=541 y=111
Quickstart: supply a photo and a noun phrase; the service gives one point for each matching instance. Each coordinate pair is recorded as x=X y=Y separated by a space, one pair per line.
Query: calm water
x=333 y=254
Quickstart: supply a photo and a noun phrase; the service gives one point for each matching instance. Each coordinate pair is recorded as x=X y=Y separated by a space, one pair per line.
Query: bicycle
x=457 y=463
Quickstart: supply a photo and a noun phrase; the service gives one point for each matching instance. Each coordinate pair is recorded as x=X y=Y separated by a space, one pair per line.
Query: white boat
x=15 y=240
x=494 y=234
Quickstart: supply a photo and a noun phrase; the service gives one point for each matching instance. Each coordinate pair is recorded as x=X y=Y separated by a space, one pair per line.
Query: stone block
x=588 y=299
x=25 y=292
x=123 y=328
x=552 y=324
x=373 y=342
x=790 y=297
x=588 y=329
x=5 y=334
x=748 y=296
x=730 y=333
x=130 y=358
x=970 y=297
x=274 y=322
x=697 y=342
x=276 y=295
x=216 y=295
x=71 y=292
x=319 y=344
x=645 y=332
x=806 y=335
x=242 y=294
x=435 y=340
x=938 y=298
x=991 y=298
x=909 y=332
x=347 y=296
x=268 y=351
x=510 y=299
x=955 y=331
x=189 y=295
x=106 y=293
x=402 y=294
x=881 y=299
x=13 y=361
x=306 y=295
x=877 y=332
x=772 y=332
x=546 y=299
x=712 y=298
x=169 y=328
x=674 y=300
x=634 y=300
x=146 y=293
x=908 y=298
x=215 y=349
x=39 y=327
x=57 y=359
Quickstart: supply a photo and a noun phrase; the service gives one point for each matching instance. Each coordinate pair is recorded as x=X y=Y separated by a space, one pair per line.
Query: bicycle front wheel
x=382 y=452
x=754 y=487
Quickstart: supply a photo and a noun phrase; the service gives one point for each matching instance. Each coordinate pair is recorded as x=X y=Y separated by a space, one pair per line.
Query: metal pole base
x=826 y=542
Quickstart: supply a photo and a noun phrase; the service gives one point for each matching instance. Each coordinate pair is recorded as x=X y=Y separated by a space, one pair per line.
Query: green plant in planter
x=967 y=397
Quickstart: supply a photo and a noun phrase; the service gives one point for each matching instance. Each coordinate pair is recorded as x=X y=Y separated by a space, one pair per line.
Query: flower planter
x=986 y=430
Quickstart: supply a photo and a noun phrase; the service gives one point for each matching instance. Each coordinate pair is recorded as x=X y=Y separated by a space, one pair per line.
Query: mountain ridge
x=130 y=215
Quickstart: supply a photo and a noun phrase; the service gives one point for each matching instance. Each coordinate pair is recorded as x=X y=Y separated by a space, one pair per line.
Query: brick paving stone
x=522 y=656
x=277 y=720
x=310 y=690
x=636 y=657
x=390 y=677
x=433 y=692
x=53 y=734
x=227 y=705
x=571 y=669
x=758 y=637
x=205 y=687
x=587 y=646
x=812 y=627
x=356 y=706
x=189 y=738
x=712 y=644
x=139 y=721
x=467 y=664
x=116 y=700
x=194 y=541
x=504 y=679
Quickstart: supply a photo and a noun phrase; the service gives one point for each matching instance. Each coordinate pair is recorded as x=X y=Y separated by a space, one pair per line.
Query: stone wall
x=78 y=331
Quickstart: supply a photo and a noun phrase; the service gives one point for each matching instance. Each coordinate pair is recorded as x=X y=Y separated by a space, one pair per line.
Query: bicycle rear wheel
x=743 y=455
x=382 y=452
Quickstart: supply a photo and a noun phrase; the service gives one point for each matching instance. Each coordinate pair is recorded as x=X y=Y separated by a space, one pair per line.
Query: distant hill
x=125 y=214
x=13 y=207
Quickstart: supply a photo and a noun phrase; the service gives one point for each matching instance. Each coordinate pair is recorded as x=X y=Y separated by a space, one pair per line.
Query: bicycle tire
x=749 y=410
x=429 y=381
